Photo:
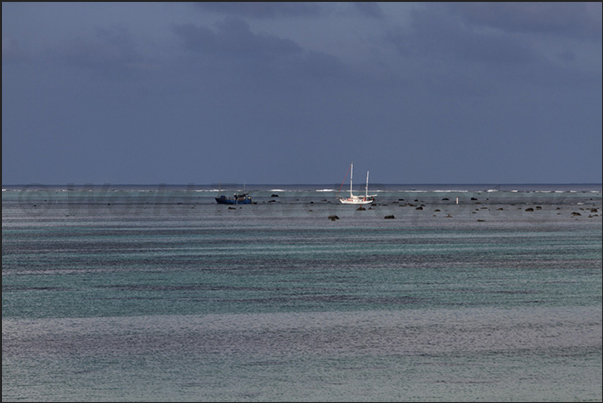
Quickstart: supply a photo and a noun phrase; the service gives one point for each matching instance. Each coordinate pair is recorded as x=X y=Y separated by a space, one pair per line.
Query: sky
x=292 y=93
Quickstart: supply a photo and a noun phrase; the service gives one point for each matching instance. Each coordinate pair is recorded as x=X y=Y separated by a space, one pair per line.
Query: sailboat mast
x=366 y=189
x=351 y=175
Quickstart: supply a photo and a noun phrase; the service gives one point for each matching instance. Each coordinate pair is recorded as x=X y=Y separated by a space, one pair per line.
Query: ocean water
x=157 y=293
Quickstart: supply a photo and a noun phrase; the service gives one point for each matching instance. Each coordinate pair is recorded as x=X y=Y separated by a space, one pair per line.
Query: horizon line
x=300 y=184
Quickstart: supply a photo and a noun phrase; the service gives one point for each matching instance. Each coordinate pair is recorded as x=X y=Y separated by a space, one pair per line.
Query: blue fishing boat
x=238 y=198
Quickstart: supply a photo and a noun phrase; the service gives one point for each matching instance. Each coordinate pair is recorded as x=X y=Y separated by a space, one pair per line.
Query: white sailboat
x=366 y=199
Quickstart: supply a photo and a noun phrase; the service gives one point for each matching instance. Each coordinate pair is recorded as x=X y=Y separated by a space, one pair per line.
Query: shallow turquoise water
x=121 y=297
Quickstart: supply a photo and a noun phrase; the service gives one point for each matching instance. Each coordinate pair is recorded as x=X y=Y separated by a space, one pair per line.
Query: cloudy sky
x=289 y=93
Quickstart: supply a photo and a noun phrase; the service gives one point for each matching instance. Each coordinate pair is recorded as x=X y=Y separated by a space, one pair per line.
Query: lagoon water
x=157 y=293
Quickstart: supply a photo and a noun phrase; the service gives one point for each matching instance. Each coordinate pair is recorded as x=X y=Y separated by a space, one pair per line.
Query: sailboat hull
x=357 y=200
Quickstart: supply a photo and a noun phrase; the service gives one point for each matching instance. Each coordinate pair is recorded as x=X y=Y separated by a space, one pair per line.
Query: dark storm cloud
x=483 y=56
x=263 y=9
x=567 y=56
x=573 y=18
x=106 y=51
x=234 y=40
x=368 y=9
x=11 y=50
x=267 y=10
x=433 y=34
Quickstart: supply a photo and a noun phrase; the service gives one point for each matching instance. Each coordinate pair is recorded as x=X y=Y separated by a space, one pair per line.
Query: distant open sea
x=432 y=293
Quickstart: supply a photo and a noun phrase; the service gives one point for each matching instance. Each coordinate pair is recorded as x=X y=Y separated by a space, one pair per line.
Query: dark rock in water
x=473 y=198
x=529 y=209
x=333 y=217
x=481 y=220
x=274 y=195
x=445 y=198
x=419 y=208
x=575 y=213
x=389 y=217
x=360 y=208
x=232 y=208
